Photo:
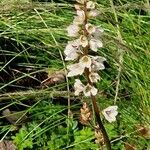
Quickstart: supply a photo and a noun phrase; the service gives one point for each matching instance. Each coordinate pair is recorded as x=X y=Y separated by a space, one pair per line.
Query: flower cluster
x=86 y=37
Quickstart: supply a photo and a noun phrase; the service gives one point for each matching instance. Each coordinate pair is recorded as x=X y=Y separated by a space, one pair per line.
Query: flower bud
x=90 y=5
x=85 y=114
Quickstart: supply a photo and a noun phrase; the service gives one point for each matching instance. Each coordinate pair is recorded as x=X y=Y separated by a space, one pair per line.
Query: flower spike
x=86 y=38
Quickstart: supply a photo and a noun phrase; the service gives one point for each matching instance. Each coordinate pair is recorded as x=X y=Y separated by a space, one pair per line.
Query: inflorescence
x=86 y=38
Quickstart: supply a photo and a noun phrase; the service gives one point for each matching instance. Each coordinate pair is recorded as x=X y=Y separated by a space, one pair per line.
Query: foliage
x=19 y=139
x=83 y=139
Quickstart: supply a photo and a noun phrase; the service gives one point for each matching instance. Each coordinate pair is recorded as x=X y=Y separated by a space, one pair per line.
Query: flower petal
x=79 y=19
x=78 y=86
x=94 y=77
x=95 y=44
x=77 y=6
x=90 y=90
x=98 y=33
x=71 y=56
x=73 y=30
x=83 y=40
x=90 y=28
x=97 y=63
x=85 y=61
x=72 y=50
x=81 y=13
x=93 y=91
x=75 y=69
x=110 y=113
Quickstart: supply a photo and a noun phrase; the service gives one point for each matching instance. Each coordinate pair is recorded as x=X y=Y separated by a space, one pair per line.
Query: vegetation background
x=32 y=39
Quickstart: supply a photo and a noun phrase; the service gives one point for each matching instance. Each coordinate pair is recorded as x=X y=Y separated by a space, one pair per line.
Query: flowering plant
x=86 y=38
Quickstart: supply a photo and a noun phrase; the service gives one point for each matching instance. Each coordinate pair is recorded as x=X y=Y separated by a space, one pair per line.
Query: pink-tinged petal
x=72 y=50
x=78 y=86
x=94 y=77
x=75 y=69
x=110 y=113
x=95 y=44
x=97 y=63
x=73 y=30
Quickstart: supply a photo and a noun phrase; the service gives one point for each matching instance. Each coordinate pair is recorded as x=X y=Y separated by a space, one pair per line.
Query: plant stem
x=100 y=124
x=97 y=114
x=87 y=72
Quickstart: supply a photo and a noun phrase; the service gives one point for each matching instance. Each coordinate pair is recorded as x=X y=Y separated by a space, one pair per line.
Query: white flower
x=85 y=62
x=92 y=13
x=110 y=113
x=72 y=50
x=72 y=56
x=73 y=30
x=90 y=28
x=83 y=40
x=94 y=77
x=97 y=63
x=95 y=44
x=78 y=68
x=75 y=69
x=81 y=13
x=81 y=1
x=98 y=32
x=79 y=19
x=90 y=90
x=90 y=5
x=78 y=86
x=73 y=45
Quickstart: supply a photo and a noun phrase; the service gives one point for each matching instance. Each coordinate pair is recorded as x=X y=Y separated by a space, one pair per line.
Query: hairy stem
x=97 y=115
x=100 y=124
x=87 y=72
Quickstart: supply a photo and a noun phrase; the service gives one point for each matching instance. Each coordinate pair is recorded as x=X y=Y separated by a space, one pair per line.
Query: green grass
x=33 y=37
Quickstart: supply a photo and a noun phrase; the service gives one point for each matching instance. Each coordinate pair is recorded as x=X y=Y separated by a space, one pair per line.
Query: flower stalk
x=88 y=38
